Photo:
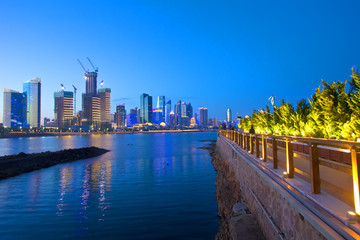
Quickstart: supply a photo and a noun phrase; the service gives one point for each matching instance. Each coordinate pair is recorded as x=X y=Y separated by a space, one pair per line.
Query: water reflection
x=132 y=192
x=66 y=180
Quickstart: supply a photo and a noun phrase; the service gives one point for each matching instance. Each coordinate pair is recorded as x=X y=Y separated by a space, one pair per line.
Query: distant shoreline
x=47 y=134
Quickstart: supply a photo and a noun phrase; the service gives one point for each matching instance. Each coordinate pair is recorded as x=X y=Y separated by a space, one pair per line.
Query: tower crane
x=96 y=69
x=83 y=66
x=74 y=100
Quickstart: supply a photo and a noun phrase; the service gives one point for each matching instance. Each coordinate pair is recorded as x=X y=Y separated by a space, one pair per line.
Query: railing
x=340 y=180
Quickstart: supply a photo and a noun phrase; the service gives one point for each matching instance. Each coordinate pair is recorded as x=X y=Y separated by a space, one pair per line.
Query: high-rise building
x=228 y=115
x=14 y=109
x=167 y=112
x=157 y=116
x=203 y=117
x=161 y=106
x=146 y=108
x=63 y=108
x=171 y=119
x=91 y=110
x=189 y=111
x=32 y=90
x=121 y=116
x=183 y=109
x=138 y=115
x=131 y=118
x=105 y=107
x=91 y=82
x=177 y=113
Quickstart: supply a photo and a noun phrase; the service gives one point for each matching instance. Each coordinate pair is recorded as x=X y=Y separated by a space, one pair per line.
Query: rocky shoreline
x=13 y=165
x=235 y=219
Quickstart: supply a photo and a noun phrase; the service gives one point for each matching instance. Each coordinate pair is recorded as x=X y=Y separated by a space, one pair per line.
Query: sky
x=214 y=54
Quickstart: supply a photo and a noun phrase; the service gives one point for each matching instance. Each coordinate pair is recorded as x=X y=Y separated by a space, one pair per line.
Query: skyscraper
x=63 y=109
x=91 y=82
x=228 y=115
x=167 y=112
x=161 y=106
x=183 y=109
x=14 y=109
x=91 y=110
x=146 y=108
x=138 y=117
x=189 y=111
x=177 y=109
x=105 y=108
x=91 y=101
x=121 y=115
x=203 y=117
x=32 y=90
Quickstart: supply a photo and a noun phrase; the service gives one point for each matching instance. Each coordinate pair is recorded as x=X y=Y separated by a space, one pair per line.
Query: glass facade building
x=145 y=108
x=161 y=106
x=14 y=114
x=32 y=90
x=167 y=112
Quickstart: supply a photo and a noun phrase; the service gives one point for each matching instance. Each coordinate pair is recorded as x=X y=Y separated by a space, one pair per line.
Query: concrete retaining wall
x=278 y=213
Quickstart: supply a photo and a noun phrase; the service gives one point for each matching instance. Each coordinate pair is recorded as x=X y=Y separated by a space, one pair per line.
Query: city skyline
x=230 y=55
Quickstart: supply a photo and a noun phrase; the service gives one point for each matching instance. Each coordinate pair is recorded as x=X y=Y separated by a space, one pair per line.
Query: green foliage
x=329 y=113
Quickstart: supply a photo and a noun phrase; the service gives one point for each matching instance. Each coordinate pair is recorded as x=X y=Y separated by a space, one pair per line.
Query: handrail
x=250 y=143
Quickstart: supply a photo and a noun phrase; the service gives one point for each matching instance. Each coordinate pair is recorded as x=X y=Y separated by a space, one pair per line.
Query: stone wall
x=278 y=215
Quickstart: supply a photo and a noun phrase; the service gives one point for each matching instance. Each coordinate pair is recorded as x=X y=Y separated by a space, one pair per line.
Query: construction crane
x=96 y=69
x=83 y=66
x=74 y=100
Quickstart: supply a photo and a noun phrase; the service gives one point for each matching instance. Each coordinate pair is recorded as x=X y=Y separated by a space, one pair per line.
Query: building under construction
x=95 y=104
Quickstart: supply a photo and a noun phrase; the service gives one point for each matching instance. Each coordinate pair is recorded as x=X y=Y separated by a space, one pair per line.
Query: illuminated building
x=63 y=109
x=14 y=115
x=157 y=116
x=183 y=109
x=167 y=112
x=131 y=118
x=177 y=113
x=105 y=111
x=161 y=106
x=171 y=119
x=193 y=122
x=203 y=117
x=91 y=110
x=32 y=90
x=121 y=116
x=228 y=115
x=145 y=108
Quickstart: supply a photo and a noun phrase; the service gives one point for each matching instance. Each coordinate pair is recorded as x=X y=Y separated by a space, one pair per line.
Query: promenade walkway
x=326 y=172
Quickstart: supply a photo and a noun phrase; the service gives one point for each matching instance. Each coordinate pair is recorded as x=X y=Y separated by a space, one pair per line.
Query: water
x=149 y=186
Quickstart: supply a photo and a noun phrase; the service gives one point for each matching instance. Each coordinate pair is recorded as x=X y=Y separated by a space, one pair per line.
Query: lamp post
x=272 y=101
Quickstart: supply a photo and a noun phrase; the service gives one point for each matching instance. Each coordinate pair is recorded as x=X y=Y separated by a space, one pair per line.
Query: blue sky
x=214 y=54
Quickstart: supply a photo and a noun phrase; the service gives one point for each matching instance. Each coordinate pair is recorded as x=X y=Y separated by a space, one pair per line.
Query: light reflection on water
x=149 y=186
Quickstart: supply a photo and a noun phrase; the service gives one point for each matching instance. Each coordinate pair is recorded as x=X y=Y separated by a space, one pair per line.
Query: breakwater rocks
x=236 y=221
x=14 y=165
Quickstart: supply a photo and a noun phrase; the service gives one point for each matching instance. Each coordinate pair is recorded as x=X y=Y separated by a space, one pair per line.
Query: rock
x=17 y=164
